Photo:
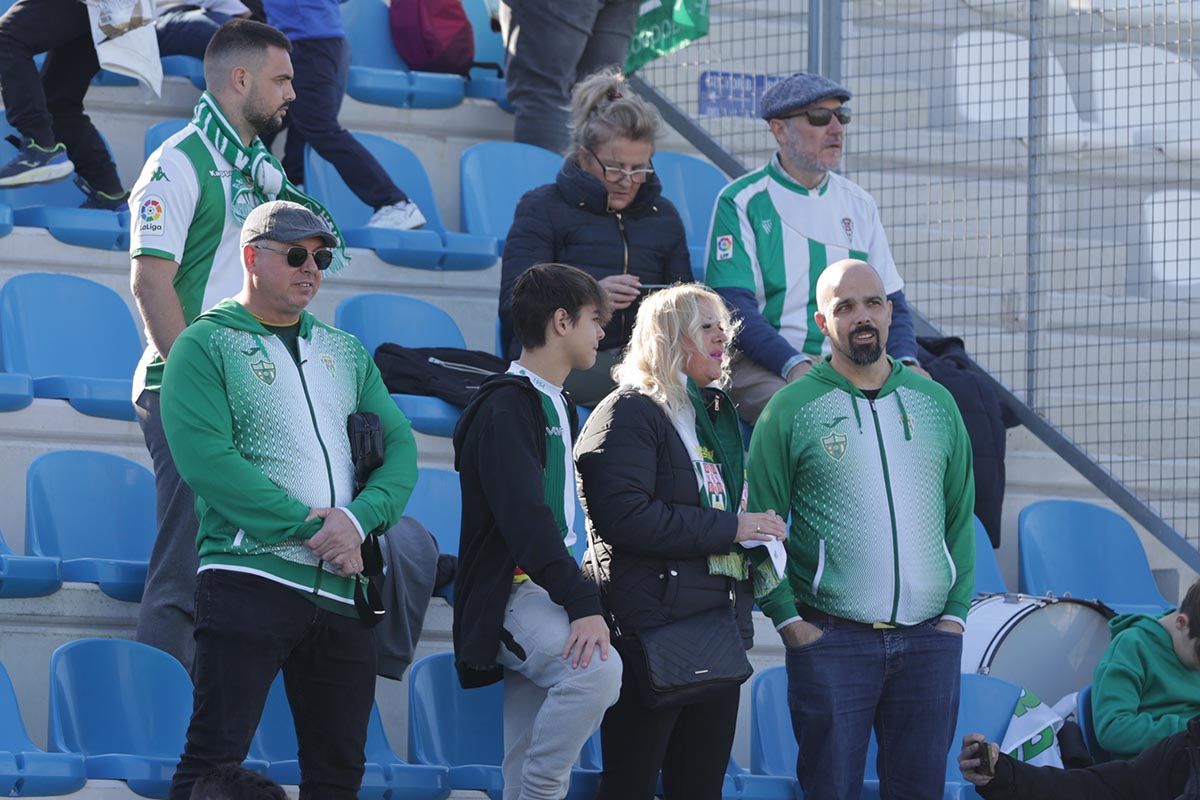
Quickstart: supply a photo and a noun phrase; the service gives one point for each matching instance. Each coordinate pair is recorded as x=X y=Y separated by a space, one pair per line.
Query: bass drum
x=1047 y=645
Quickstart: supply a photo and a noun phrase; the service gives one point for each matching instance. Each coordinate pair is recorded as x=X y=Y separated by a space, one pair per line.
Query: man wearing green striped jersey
x=523 y=611
x=776 y=228
x=874 y=462
x=187 y=210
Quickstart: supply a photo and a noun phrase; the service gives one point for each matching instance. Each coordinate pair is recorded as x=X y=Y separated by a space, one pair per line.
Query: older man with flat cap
x=255 y=401
x=776 y=228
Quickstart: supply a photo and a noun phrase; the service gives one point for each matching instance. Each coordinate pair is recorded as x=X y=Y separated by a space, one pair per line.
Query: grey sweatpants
x=167 y=618
x=550 y=709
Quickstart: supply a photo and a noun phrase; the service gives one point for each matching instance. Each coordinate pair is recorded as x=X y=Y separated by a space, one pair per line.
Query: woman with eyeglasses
x=605 y=214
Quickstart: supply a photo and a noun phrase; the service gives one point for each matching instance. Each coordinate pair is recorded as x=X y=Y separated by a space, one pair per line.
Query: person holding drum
x=1146 y=686
x=874 y=462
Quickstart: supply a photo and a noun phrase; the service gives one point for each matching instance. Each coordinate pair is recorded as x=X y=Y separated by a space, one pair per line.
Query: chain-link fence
x=1058 y=235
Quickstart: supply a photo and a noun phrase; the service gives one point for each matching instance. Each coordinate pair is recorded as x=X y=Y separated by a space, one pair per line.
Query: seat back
x=1077 y=548
x=159 y=132
x=275 y=738
x=66 y=325
x=987 y=570
x=368 y=28
x=86 y=504
x=118 y=696
x=489 y=45
x=772 y=743
x=1171 y=236
x=1087 y=724
x=448 y=725
x=436 y=503
x=693 y=185
x=986 y=706
x=13 y=736
x=493 y=176
x=323 y=181
x=379 y=318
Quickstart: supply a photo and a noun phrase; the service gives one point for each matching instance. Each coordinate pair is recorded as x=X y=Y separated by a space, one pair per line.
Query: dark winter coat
x=568 y=221
x=647 y=531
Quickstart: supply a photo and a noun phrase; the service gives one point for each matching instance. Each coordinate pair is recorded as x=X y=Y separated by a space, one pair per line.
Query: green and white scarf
x=260 y=170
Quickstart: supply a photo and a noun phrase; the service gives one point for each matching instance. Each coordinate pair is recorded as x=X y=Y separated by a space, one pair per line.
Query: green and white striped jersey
x=559 y=476
x=188 y=206
x=773 y=237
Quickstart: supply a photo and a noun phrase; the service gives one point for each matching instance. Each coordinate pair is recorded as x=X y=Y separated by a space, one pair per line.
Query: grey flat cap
x=285 y=221
x=799 y=90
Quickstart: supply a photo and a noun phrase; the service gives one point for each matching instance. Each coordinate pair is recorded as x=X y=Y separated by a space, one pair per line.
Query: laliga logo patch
x=151 y=216
x=724 y=247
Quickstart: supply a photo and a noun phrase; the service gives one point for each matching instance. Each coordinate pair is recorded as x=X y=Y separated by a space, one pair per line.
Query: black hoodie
x=500 y=455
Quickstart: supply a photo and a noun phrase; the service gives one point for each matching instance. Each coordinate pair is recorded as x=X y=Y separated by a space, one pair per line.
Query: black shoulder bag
x=366 y=451
x=684 y=660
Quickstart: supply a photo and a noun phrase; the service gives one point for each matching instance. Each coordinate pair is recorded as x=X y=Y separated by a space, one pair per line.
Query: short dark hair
x=235 y=782
x=1191 y=607
x=239 y=38
x=543 y=289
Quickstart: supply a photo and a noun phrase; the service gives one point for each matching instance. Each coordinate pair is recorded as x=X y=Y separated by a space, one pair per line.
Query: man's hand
x=760 y=527
x=949 y=626
x=800 y=633
x=338 y=542
x=969 y=760
x=795 y=372
x=587 y=634
x=622 y=290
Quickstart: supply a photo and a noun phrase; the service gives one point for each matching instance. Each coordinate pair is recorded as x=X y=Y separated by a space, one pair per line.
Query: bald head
x=850 y=270
x=854 y=312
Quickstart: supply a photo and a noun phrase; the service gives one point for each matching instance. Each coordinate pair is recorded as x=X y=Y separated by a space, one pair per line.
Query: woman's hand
x=622 y=290
x=760 y=527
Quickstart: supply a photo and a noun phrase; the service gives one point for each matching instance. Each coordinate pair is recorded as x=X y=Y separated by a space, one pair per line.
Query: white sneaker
x=402 y=216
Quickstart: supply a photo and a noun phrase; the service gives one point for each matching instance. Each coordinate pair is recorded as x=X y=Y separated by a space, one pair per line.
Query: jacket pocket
x=816 y=581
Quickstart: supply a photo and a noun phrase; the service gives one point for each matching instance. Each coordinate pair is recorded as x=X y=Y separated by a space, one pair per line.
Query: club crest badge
x=848 y=227
x=264 y=370
x=328 y=361
x=835 y=445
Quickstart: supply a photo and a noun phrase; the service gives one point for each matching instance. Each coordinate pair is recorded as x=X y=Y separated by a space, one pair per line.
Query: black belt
x=816 y=616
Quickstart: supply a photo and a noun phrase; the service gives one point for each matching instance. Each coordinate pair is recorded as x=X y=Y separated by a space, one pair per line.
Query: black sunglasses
x=297 y=255
x=820 y=117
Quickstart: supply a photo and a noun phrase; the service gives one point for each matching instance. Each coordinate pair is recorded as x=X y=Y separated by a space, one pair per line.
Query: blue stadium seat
x=741 y=784
x=86 y=356
x=26 y=576
x=1077 y=548
x=988 y=579
x=384 y=776
x=436 y=503
x=463 y=730
x=6 y=219
x=188 y=67
x=56 y=207
x=25 y=769
x=693 y=185
x=123 y=706
x=492 y=178
x=377 y=73
x=431 y=247
x=485 y=82
x=985 y=706
x=95 y=512
x=1083 y=716
x=16 y=391
x=772 y=743
x=159 y=132
x=379 y=318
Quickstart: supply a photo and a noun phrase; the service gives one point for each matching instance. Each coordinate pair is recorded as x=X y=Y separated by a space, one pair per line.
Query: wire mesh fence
x=1034 y=162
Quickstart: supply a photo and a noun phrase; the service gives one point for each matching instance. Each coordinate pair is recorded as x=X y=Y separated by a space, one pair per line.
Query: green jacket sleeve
x=381 y=502
x=199 y=429
x=959 y=485
x=770 y=472
x=1122 y=728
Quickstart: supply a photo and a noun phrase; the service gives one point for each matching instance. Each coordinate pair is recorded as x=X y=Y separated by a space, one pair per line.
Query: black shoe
x=101 y=200
x=34 y=164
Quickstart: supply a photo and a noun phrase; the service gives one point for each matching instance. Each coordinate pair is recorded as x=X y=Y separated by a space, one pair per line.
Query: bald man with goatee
x=874 y=462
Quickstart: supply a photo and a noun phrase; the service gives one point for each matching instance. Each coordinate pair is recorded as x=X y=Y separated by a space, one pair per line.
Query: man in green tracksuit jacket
x=875 y=465
x=255 y=400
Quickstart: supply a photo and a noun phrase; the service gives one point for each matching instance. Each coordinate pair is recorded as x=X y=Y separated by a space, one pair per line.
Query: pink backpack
x=433 y=35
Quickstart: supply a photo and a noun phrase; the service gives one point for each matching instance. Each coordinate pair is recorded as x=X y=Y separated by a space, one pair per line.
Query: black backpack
x=448 y=373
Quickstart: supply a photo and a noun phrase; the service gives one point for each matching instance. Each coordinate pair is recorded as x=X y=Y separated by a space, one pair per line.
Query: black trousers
x=247 y=628
x=690 y=744
x=49 y=108
x=321 y=67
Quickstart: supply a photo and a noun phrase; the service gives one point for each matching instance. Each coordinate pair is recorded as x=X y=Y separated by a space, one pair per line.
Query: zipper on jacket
x=324 y=451
x=887 y=483
x=460 y=367
x=625 y=266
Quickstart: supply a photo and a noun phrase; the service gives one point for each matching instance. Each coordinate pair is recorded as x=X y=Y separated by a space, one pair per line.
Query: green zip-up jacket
x=881 y=496
x=262 y=440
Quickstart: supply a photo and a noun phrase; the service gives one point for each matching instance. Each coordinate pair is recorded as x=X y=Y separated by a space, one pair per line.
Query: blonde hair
x=654 y=359
x=604 y=107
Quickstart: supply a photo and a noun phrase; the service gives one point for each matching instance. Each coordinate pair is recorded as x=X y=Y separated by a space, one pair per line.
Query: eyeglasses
x=616 y=174
x=297 y=255
x=820 y=117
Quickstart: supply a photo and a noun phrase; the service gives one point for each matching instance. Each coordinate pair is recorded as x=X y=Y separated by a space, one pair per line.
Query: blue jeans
x=904 y=682
x=186 y=31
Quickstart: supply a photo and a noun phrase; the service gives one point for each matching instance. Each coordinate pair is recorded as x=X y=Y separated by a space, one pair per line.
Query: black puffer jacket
x=568 y=221
x=648 y=533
